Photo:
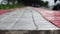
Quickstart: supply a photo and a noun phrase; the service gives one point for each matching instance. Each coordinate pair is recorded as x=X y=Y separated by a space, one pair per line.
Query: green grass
x=11 y=6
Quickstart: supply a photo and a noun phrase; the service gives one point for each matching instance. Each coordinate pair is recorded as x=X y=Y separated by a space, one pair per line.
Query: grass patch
x=11 y=6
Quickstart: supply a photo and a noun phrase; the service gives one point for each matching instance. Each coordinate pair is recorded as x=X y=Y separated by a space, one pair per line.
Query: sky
x=0 y=0
x=51 y=2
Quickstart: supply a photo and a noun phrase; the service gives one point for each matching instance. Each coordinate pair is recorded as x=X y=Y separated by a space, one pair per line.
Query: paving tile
x=9 y=20
x=41 y=22
x=25 y=22
x=25 y=19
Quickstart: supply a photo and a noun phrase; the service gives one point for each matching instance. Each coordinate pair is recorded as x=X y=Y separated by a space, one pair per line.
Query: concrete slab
x=25 y=19
x=10 y=19
x=25 y=22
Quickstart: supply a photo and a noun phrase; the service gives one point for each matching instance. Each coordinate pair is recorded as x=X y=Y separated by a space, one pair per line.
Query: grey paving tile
x=25 y=23
x=4 y=15
x=27 y=14
x=9 y=20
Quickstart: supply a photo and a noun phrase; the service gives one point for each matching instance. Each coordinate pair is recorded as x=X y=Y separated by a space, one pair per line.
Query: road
x=25 y=19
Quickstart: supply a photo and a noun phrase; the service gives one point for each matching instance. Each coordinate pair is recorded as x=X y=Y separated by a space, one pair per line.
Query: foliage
x=11 y=6
x=21 y=3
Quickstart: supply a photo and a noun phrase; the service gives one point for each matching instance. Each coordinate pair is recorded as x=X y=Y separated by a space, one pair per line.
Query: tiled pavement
x=25 y=19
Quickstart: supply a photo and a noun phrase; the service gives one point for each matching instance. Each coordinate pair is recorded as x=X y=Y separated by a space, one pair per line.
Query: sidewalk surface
x=25 y=19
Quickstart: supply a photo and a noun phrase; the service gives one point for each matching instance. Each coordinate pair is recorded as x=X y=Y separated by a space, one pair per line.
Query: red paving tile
x=5 y=11
x=8 y=10
x=50 y=15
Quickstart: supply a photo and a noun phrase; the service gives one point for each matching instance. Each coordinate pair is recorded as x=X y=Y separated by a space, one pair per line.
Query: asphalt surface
x=25 y=19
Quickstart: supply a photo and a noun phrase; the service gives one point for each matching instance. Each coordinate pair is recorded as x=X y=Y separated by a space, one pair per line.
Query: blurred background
x=6 y=4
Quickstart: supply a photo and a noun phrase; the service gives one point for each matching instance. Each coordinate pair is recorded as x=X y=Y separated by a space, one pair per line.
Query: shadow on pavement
x=29 y=32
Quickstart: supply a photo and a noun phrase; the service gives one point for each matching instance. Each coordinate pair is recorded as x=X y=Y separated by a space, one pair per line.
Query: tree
x=8 y=2
x=12 y=1
x=19 y=1
x=55 y=1
x=29 y=2
x=46 y=3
